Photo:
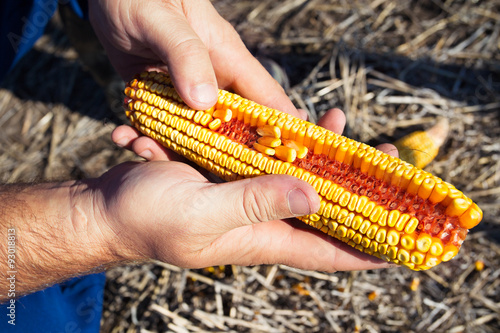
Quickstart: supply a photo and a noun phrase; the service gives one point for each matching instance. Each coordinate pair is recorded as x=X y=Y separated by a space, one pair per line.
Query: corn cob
x=421 y=147
x=374 y=202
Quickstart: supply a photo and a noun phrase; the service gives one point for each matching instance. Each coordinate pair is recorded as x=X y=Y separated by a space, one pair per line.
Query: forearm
x=48 y=233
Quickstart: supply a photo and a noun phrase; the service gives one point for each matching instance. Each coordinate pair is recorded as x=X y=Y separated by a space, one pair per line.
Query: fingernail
x=298 y=203
x=147 y=154
x=204 y=93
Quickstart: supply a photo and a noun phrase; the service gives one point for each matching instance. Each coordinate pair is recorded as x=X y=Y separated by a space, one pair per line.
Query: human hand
x=202 y=224
x=191 y=41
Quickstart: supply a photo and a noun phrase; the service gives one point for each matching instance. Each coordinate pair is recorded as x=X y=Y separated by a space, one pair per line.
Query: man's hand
x=179 y=217
x=191 y=41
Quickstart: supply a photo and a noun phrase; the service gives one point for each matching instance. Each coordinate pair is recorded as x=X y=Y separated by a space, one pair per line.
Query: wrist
x=91 y=222
x=68 y=214
x=56 y=233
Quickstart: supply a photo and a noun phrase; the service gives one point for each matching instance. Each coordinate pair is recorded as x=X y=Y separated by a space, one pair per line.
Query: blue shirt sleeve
x=22 y=22
x=72 y=306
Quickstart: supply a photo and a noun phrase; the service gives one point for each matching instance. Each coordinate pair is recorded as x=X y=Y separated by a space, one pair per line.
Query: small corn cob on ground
x=421 y=148
x=374 y=202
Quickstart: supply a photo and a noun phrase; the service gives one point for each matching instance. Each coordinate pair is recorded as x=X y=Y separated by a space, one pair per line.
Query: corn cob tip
x=374 y=202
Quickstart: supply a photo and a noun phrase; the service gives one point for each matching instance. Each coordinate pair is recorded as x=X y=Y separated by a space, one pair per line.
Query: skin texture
x=164 y=208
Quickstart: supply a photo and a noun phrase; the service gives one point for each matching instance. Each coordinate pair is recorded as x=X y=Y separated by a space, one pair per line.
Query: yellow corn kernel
x=363 y=228
x=392 y=237
x=353 y=202
x=436 y=248
x=479 y=264
x=471 y=217
x=318 y=184
x=408 y=242
x=366 y=162
x=417 y=258
x=392 y=252
x=411 y=226
x=362 y=201
x=264 y=149
x=300 y=149
x=424 y=243
x=415 y=183
x=367 y=210
x=214 y=124
x=357 y=221
x=382 y=221
x=341 y=231
x=382 y=250
x=372 y=230
x=439 y=193
x=375 y=214
x=425 y=190
x=381 y=235
x=269 y=141
x=285 y=154
x=403 y=255
x=457 y=207
x=269 y=130
x=401 y=224
x=224 y=115
x=344 y=198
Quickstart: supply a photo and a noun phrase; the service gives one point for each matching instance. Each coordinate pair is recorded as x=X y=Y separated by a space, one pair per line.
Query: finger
x=184 y=53
x=303 y=114
x=124 y=135
x=151 y=150
x=238 y=69
x=334 y=120
x=257 y=200
x=280 y=242
x=314 y=250
x=129 y=138
x=310 y=249
x=257 y=84
x=388 y=149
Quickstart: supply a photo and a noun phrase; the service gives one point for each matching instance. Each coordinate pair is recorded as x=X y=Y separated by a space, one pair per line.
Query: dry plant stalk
x=372 y=201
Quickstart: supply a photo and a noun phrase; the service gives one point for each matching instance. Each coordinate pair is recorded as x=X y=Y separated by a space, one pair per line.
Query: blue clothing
x=22 y=23
x=74 y=306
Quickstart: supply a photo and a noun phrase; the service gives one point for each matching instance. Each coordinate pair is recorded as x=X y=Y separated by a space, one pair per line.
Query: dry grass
x=393 y=67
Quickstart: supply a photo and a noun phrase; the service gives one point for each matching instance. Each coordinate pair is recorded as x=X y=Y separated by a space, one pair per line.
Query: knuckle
x=258 y=207
x=190 y=45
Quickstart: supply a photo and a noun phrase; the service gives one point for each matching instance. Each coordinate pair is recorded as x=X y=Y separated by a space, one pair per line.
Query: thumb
x=259 y=199
x=187 y=57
